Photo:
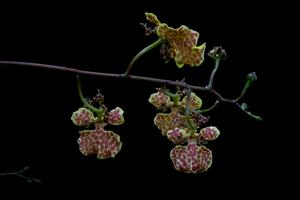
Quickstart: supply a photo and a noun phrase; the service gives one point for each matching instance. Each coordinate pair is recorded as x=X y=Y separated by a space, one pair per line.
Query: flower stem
x=250 y=79
x=243 y=92
x=188 y=98
x=211 y=107
x=142 y=52
x=212 y=75
x=89 y=106
x=258 y=118
x=133 y=77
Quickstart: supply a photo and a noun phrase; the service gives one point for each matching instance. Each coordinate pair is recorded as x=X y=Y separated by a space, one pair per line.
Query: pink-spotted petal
x=166 y=122
x=194 y=101
x=103 y=143
x=83 y=117
x=115 y=116
x=210 y=133
x=191 y=158
x=183 y=45
x=177 y=136
x=159 y=100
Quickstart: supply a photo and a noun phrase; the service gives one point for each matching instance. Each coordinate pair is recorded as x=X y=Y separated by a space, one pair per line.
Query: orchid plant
x=180 y=116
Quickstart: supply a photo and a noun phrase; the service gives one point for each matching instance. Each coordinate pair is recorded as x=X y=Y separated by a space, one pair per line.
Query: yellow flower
x=182 y=42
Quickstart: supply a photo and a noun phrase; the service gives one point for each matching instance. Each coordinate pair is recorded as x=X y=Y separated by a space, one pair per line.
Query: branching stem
x=219 y=97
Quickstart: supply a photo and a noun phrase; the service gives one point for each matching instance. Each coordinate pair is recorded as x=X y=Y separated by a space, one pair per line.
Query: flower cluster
x=180 y=125
x=98 y=141
x=180 y=119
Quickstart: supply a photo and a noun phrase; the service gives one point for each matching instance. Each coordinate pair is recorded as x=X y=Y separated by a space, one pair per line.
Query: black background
x=36 y=104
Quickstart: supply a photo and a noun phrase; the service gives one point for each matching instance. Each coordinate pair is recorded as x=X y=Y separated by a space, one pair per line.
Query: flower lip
x=99 y=141
x=191 y=158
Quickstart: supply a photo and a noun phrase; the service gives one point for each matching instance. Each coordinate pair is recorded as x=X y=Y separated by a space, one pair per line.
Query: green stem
x=142 y=52
x=212 y=75
x=258 y=118
x=190 y=123
x=187 y=106
x=243 y=92
x=89 y=106
x=250 y=79
x=174 y=97
x=210 y=108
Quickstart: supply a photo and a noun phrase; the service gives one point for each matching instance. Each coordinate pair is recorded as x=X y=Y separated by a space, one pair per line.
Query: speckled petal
x=191 y=158
x=83 y=117
x=166 y=122
x=103 y=143
x=177 y=136
x=210 y=133
x=183 y=43
x=115 y=116
x=194 y=102
x=159 y=100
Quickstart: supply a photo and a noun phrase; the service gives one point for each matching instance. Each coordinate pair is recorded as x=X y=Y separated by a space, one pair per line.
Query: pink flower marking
x=183 y=42
x=99 y=141
x=209 y=133
x=167 y=122
x=83 y=117
x=177 y=136
x=115 y=116
x=194 y=101
x=159 y=100
x=191 y=158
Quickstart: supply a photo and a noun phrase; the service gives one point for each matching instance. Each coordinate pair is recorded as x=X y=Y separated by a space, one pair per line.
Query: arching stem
x=142 y=52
